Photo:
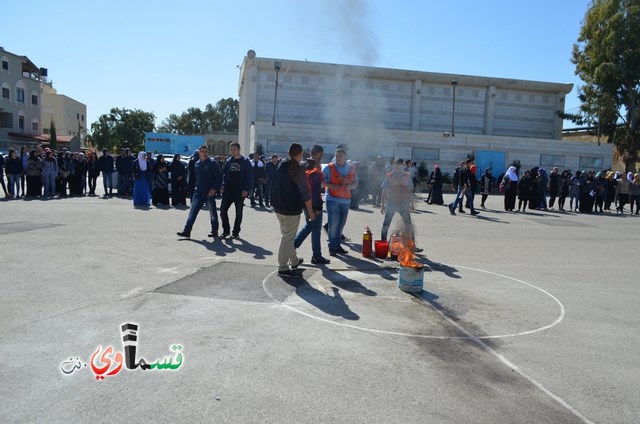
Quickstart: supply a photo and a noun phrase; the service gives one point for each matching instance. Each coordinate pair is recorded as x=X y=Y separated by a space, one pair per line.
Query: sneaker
x=320 y=260
x=289 y=273
x=418 y=250
x=225 y=234
x=235 y=235
x=300 y=260
x=333 y=253
x=213 y=234
x=451 y=211
x=185 y=234
x=461 y=211
x=341 y=251
x=475 y=213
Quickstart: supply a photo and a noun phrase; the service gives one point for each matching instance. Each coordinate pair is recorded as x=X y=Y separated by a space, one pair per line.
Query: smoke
x=352 y=19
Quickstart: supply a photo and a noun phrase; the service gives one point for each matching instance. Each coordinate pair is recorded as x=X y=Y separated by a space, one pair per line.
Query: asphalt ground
x=528 y=318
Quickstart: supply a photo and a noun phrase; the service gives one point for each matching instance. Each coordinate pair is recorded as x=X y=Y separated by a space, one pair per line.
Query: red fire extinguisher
x=367 y=242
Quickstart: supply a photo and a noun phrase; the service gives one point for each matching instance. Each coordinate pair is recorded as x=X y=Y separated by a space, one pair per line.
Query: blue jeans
x=14 y=184
x=336 y=218
x=198 y=201
x=388 y=216
x=315 y=229
x=107 y=182
x=49 y=185
x=468 y=194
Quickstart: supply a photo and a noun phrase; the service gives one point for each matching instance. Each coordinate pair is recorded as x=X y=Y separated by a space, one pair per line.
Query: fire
x=404 y=246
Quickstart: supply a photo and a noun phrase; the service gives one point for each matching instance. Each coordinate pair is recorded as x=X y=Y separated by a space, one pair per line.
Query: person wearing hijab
x=574 y=190
x=543 y=187
x=554 y=186
x=160 y=193
x=436 y=179
x=534 y=195
x=485 y=186
x=524 y=191
x=510 y=187
x=49 y=173
x=34 y=175
x=141 y=173
x=178 y=181
x=588 y=193
x=601 y=191
x=634 y=193
x=610 y=197
x=564 y=188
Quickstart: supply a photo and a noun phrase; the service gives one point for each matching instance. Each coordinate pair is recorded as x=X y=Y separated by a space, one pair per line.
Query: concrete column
x=248 y=93
x=557 y=121
x=415 y=105
x=489 y=107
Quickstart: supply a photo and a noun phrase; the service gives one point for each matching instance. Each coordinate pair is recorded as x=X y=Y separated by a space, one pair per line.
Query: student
x=237 y=183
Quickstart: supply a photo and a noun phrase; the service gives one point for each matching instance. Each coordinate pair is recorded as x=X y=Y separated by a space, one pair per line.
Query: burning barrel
x=411 y=272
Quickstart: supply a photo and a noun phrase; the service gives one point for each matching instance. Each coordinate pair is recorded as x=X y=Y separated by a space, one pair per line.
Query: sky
x=165 y=57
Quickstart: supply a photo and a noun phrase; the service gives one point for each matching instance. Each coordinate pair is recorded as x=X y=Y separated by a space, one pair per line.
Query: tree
x=607 y=59
x=121 y=128
x=223 y=117
x=53 y=137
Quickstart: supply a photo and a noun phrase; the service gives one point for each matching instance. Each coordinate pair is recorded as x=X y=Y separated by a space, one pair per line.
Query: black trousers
x=229 y=199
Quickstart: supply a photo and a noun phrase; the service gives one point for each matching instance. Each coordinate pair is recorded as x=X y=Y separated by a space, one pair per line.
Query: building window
x=591 y=163
x=551 y=160
x=21 y=123
x=34 y=127
x=421 y=153
x=5 y=65
x=82 y=118
x=34 y=100
x=77 y=116
x=19 y=95
x=46 y=130
x=5 y=93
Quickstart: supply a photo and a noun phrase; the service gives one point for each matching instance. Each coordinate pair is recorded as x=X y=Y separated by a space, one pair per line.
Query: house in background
x=29 y=102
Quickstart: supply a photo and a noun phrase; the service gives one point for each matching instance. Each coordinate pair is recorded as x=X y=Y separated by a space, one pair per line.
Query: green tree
x=607 y=59
x=53 y=137
x=223 y=117
x=121 y=128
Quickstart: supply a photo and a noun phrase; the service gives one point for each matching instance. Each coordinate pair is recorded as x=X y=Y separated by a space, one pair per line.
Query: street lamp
x=599 y=96
x=276 y=65
x=454 y=82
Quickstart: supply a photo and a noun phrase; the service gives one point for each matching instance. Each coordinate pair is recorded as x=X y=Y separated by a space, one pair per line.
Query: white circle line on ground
x=427 y=336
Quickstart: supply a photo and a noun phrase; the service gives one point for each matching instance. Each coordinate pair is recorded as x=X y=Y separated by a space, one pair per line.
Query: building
x=218 y=143
x=20 y=100
x=68 y=114
x=428 y=117
x=29 y=103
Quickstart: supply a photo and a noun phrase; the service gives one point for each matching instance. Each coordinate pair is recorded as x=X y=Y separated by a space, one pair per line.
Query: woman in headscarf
x=49 y=173
x=178 y=181
x=510 y=184
x=141 y=172
x=436 y=181
x=34 y=175
x=574 y=190
x=564 y=188
x=588 y=193
x=623 y=188
x=634 y=193
x=80 y=179
x=543 y=188
x=524 y=191
x=601 y=191
x=534 y=194
x=24 y=157
x=160 y=194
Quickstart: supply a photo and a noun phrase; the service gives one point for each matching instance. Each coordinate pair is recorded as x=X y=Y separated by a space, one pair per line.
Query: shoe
x=235 y=235
x=333 y=253
x=320 y=260
x=418 y=250
x=341 y=251
x=482 y=206
x=326 y=227
x=300 y=260
x=475 y=213
x=185 y=234
x=225 y=234
x=261 y=205
x=451 y=211
x=213 y=234
x=461 y=211
x=289 y=273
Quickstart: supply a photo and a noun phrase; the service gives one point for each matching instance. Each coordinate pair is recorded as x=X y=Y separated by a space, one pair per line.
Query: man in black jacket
x=105 y=163
x=290 y=192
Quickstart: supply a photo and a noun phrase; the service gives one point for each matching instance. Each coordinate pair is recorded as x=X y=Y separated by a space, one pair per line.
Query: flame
x=405 y=249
